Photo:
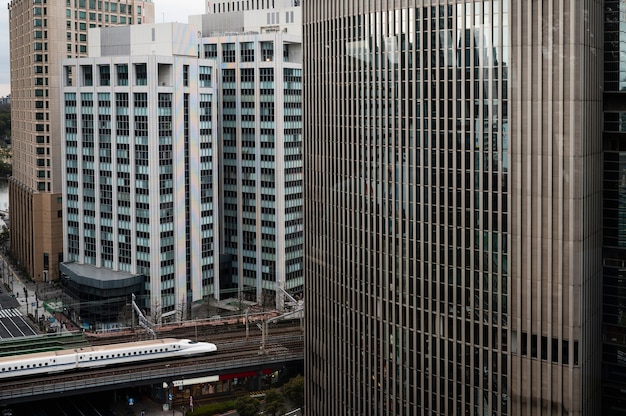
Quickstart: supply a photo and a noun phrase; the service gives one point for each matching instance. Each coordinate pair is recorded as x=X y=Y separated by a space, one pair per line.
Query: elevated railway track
x=235 y=353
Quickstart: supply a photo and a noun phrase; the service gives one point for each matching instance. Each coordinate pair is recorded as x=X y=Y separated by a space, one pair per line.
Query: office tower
x=453 y=233
x=140 y=173
x=227 y=7
x=614 y=279
x=259 y=56
x=42 y=33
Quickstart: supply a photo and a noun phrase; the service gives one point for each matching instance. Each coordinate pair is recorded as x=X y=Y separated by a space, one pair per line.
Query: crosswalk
x=10 y=313
x=13 y=324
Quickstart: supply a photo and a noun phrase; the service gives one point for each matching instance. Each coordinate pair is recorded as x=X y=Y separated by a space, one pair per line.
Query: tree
x=274 y=402
x=156 y=313
x=5 y=121
x=125 y=315
x=294 y=390
x=5 y=161
x=247 y=406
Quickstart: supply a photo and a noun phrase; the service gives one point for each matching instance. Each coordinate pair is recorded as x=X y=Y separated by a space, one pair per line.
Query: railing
x=47 y=386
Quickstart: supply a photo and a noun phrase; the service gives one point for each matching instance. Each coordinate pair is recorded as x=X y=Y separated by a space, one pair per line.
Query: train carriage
x=100 y=356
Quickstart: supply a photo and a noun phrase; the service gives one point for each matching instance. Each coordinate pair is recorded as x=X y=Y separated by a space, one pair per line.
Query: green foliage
x=274 y=402
x=294 y=390
x=247 y=406
x=5 y=121
x=212 y=409
x=5 y=161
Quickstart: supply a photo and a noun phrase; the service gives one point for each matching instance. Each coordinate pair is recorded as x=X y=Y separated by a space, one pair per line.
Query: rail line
x=199 y=331
x=281 y=341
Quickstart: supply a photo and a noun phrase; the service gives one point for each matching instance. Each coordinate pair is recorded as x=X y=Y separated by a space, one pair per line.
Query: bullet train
x=93 y=357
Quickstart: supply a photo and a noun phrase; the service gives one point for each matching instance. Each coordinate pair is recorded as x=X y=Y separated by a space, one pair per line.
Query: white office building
x=257 y=48
x=141 y=173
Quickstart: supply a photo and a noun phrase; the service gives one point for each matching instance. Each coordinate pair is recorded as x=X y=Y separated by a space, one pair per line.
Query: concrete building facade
x=453 y=232
x=42 y=33
x=141 y=163
x=259 y=78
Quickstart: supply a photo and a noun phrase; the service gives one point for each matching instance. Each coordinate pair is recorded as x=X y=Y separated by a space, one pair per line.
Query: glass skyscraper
x=614 y=279
x=453 y=205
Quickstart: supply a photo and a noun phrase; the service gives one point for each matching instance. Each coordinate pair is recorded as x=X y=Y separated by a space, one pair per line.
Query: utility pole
x=263 y=327
x=247 y=324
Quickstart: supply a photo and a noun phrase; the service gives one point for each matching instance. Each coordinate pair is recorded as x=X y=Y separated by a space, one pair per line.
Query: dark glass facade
x=408 y=182
x=453 y=207
x=614 y=279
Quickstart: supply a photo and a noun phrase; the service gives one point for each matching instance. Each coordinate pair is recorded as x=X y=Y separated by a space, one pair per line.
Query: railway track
x=284 y=341
x=209 y=331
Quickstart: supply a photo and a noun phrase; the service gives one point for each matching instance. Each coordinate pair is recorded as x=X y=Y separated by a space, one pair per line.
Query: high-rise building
x=141 y=166
x=258 y=53
x=453 y=233
x=229 y=7
x=148 y=81
x=42 y=33
x=614 y=279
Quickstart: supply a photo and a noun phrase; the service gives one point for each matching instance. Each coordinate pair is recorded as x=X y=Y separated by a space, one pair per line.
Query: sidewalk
x=31 y=304
x=150 y=408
